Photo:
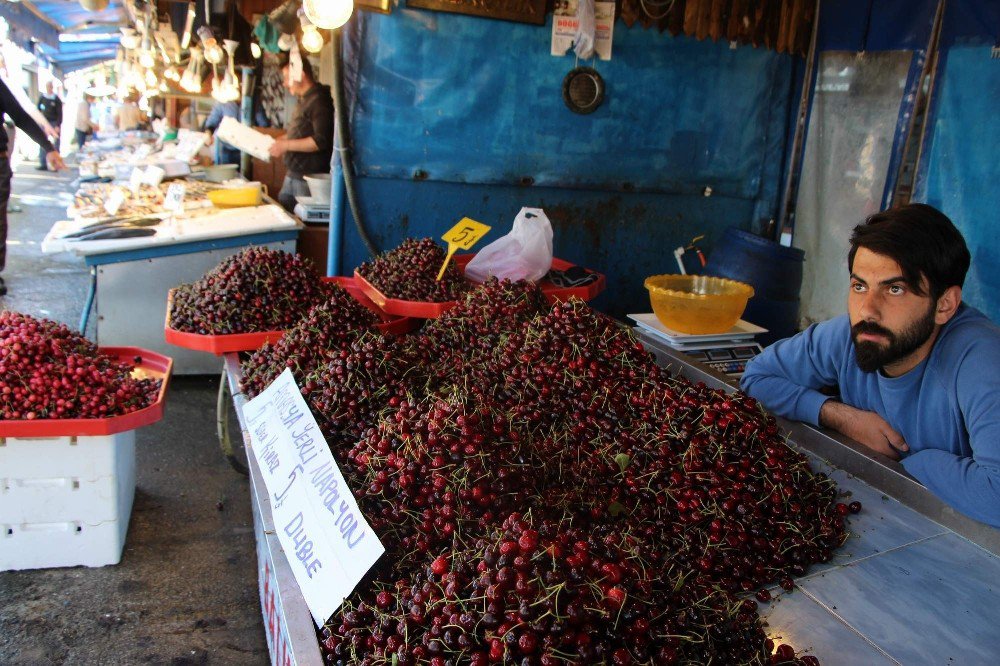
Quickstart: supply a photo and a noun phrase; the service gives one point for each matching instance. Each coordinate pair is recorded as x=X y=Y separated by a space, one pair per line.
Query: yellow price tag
x=462 y=236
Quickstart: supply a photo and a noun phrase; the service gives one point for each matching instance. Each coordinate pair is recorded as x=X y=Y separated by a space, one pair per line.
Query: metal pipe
x=246 y=113
x=89 y=302
x=786 y=215
x=344 y=184
x=335 y=237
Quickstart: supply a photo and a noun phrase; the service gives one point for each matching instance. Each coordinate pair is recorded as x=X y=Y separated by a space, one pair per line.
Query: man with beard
x=916 y=372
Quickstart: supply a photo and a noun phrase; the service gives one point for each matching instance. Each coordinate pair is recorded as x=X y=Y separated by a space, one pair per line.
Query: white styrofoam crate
x=65 y=501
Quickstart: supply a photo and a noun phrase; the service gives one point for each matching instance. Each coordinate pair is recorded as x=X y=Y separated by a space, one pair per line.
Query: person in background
x=223 y=153
x=20 y=117
x=916 y=369
x=308 y=144
x=51 y=108
x=128 y=117
x=83 y=127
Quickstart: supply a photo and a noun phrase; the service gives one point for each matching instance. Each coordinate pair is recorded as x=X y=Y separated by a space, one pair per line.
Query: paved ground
x=185 y=591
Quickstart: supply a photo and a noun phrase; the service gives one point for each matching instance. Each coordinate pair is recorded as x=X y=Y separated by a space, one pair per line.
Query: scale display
x=727 y=353
x=730 y=361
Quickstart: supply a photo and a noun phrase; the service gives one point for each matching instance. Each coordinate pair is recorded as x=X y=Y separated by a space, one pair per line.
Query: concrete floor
x=185 y=591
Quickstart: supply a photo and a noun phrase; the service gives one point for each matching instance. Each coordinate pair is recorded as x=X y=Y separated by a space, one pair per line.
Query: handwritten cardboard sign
x=329 y=544
x=462 y=236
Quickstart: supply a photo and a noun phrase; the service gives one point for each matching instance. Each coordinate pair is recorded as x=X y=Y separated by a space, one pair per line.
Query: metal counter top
x=915 y=583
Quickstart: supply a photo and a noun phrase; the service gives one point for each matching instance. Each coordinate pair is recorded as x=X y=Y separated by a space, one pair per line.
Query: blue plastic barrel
x=775 y=273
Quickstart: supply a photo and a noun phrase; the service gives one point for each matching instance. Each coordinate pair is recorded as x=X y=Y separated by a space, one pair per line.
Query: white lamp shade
x=328 y=14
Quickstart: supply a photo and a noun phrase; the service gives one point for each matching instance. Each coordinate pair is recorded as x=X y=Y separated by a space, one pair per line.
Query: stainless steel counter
x=916 y=582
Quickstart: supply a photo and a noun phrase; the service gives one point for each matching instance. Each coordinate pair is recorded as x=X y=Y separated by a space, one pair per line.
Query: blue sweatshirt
x=947 y=408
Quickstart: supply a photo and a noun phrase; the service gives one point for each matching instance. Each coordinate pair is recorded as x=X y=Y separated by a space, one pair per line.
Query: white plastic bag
x=523 y=254
x=583 y=41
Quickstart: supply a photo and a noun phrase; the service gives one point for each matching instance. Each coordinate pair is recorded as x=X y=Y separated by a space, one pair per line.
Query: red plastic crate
x=238 y=342
x=152 y=365
x=432 y=310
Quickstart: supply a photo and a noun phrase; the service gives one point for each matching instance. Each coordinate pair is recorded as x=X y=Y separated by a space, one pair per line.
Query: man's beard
x=871 y=356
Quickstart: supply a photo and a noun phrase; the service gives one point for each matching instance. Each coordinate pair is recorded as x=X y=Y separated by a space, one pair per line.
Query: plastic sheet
x=960 y=172
x=848 y=148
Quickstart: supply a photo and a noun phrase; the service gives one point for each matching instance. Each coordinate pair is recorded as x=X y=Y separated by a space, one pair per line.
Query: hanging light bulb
x=164 y=87
x=312 y=41
x=146 y=59
x=191 y=80
x=328 y=14
x=213 y=52
x=151 y=79
x=129 y=39
x=188 y=26
x=228 y=90
x=171 y=73
x=255 y=50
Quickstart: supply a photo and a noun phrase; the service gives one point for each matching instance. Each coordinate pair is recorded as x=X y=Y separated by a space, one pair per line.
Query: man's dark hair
x=307 y=68
x=922 y=240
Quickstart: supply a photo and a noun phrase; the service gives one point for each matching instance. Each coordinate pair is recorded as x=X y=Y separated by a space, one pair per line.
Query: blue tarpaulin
x=959 y=170
x=39 y=31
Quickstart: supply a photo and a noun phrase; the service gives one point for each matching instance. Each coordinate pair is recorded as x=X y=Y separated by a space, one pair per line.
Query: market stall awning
x=43 y=21
x=71 y=56
x=63 y=33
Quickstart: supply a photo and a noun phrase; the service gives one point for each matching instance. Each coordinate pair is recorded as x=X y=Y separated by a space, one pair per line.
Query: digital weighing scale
x=726 y=352
x=309 y=209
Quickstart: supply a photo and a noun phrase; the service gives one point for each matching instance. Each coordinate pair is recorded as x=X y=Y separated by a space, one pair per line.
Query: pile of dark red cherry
x=548 y=495
x=49 y=372
x=255 y=290
x=409 y=272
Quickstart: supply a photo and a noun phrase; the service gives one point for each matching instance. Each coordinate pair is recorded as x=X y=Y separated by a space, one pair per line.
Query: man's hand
x=864 y=427
x=55 y=161
x=278 y=148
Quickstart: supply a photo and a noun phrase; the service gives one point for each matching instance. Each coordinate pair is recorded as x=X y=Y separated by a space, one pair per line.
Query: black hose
x=342 y=142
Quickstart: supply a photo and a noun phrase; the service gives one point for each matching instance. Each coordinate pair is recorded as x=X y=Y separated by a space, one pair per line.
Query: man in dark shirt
x=308 y=144
x=10 y=106
x=52 y=109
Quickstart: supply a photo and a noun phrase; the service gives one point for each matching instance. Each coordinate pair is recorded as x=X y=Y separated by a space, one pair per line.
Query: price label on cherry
x=174 y=199
x=462 y=236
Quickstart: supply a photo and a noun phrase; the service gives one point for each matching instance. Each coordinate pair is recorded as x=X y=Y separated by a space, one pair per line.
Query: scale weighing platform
x=726 y=352
x=309 y=209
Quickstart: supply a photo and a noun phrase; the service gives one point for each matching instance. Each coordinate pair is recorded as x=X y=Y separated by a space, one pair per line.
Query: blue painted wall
x=474 y=108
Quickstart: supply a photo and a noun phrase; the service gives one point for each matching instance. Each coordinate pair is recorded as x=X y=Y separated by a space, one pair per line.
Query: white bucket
x=319 y=185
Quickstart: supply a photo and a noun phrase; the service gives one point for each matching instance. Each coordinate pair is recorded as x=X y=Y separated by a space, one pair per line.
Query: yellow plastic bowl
x=235 y=197
x=697 y=304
